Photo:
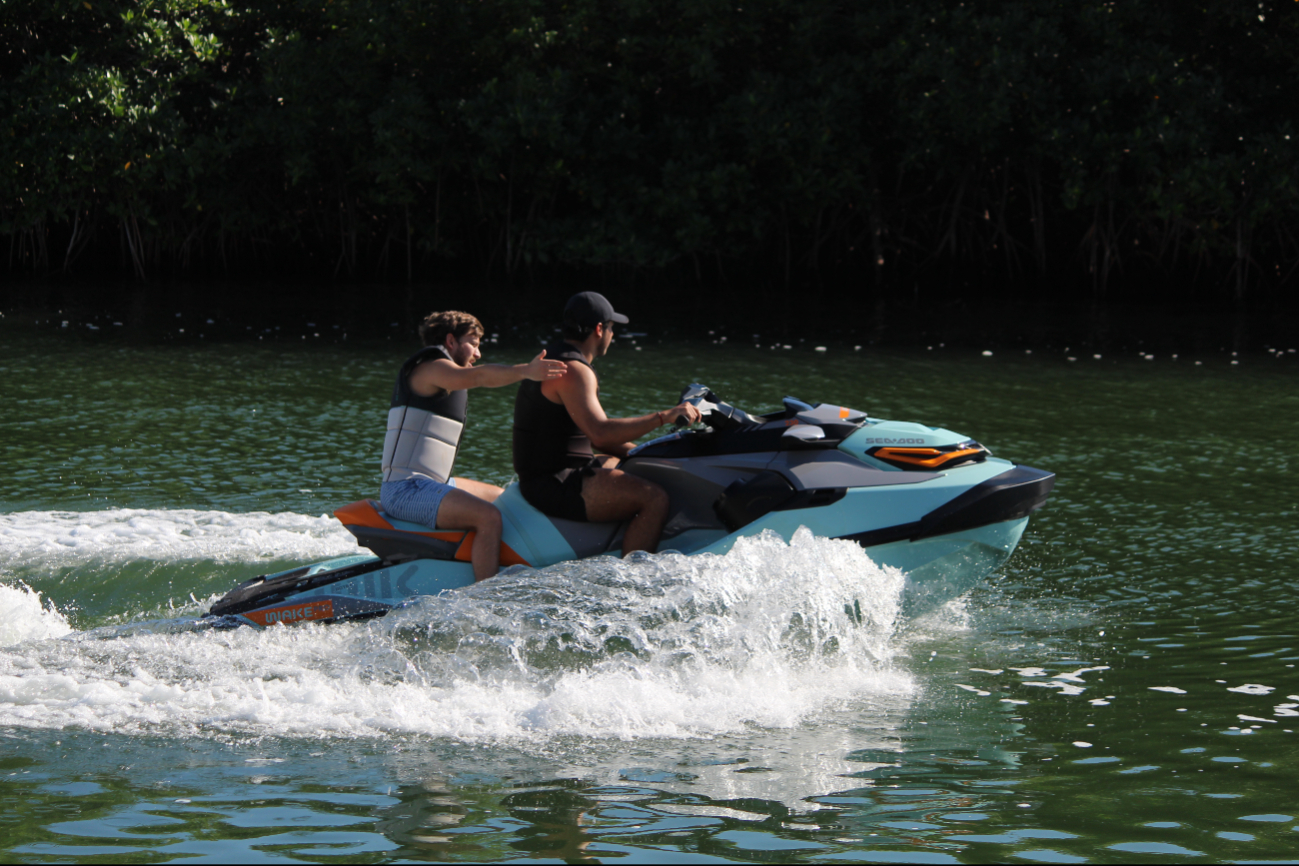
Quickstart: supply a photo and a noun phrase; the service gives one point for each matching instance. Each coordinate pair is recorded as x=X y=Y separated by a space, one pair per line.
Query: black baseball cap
x=588 y=309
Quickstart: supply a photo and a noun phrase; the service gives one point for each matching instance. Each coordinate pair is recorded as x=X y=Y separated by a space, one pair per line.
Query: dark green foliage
x=871 y=144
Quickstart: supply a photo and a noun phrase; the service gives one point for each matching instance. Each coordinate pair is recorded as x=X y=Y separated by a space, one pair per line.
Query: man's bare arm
x=578 y=393
x=443 y=375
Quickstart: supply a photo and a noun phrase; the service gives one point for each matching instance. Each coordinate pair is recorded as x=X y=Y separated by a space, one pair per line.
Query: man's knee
x=655 y=499
x=490 y=520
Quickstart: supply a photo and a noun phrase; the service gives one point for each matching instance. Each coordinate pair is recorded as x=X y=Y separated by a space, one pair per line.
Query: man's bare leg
x=611 y=494
x=485 y=492
x=464 y=511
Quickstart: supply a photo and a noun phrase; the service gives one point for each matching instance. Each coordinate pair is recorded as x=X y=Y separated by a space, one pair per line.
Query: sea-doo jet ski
x=928 y=501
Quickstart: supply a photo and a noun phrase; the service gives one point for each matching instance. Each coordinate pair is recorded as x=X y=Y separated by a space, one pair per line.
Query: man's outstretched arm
x=443 y=375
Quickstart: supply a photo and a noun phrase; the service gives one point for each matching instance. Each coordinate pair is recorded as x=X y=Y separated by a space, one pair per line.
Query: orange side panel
x=361 y=513
x=464 y=553
x=289 y=613
x=509 y=557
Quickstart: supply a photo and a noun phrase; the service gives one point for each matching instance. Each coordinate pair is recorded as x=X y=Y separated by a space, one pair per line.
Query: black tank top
x=546 y=439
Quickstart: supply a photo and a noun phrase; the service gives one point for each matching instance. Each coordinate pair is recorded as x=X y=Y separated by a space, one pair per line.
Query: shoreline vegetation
x=789 y=159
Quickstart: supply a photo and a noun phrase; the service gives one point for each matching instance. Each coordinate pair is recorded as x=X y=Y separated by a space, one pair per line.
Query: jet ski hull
x=939 y=567
x=926 y=501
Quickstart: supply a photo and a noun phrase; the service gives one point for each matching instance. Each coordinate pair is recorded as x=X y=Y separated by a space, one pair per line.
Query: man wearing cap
x=558 y=421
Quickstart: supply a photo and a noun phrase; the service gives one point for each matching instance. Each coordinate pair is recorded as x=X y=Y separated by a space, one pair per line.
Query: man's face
x=464 y=351
x=606 y=340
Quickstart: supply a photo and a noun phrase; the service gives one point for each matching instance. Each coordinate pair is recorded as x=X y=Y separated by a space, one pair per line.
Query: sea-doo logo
x=323 y=609
x=886 y=441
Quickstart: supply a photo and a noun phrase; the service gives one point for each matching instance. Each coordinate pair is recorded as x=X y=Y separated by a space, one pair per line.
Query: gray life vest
x=423 y=432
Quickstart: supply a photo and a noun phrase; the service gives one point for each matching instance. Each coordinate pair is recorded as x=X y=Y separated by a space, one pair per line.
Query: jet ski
x=933 y=503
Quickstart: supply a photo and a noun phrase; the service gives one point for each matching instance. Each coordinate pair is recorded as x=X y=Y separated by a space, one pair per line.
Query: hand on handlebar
x=683 y=415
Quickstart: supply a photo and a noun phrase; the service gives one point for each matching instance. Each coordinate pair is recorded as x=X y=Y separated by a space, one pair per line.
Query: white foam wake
x=54 y=538
x=667 y=646
x=23 y=617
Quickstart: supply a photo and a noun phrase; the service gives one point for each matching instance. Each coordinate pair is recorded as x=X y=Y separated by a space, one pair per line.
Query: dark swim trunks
x=559 y=495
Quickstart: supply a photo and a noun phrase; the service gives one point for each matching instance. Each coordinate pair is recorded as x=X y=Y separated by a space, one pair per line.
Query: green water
x=1123 y=690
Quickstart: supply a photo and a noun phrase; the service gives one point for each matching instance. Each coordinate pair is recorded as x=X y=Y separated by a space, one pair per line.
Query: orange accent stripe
x=843 y=413
x=361 y=513
x=918 y=456
x=509 y=557
x=290 y=613
x=464 y=553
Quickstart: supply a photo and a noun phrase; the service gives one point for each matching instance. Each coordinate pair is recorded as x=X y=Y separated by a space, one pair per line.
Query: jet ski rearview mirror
x=696 y=391
x=793 y=406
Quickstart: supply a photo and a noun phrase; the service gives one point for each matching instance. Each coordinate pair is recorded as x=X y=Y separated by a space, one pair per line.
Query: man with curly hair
x=426 y=419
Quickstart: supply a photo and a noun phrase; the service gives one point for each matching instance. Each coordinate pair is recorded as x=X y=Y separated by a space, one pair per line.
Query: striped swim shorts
x=414 y=499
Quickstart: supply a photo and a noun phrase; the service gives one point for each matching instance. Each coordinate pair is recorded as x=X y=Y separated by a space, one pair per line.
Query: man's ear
x=450 y=343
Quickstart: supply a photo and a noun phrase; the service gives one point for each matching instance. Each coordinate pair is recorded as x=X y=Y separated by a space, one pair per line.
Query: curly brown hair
x=435 y=327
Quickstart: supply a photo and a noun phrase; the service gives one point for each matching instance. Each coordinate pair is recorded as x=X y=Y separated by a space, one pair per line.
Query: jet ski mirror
x=695 y=391
x=793 y=406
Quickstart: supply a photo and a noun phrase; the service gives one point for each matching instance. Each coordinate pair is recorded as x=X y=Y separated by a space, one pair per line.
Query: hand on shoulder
x=539 y=369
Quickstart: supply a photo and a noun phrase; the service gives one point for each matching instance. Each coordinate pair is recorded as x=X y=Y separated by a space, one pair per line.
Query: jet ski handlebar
x=715 y=413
